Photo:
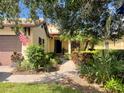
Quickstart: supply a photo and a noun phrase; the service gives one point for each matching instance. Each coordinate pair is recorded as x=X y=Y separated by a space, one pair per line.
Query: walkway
x=67 y=73
x=65 y=69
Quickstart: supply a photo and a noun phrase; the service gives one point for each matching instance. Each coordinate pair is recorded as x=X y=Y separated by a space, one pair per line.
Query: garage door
x=8 y=44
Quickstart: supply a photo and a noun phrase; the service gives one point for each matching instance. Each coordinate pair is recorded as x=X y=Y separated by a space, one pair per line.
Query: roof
x=50 y=29
x=53 y=29
x=23 y=22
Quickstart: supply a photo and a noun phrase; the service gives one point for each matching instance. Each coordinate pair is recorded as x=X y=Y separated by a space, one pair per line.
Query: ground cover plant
x=114 y=86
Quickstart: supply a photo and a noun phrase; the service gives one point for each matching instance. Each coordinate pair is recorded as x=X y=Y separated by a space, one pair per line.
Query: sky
x=111 y=8
x=25 y=12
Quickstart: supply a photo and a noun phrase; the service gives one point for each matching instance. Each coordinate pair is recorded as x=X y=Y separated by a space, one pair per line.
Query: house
x=40 y=33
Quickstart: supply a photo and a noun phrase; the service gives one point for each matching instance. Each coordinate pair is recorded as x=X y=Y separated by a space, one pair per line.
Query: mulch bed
x=31 y=72
x=16 y=72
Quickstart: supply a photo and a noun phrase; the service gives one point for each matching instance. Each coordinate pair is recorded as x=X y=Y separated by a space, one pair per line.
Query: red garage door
x=8 y=44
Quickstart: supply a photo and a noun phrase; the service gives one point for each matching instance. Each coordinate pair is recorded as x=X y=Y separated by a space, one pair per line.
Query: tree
x=89 y=17
x=9 y=9
x=72 y=16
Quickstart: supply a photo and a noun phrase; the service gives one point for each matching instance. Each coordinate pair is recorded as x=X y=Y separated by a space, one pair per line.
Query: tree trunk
x=92 y=46
x=106 y=45
x=86 y=44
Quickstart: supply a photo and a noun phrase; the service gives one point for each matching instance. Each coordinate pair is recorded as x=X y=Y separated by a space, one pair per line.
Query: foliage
x=76 y=16
x=74 y=57
x=35 y=88
x=102 y=68
x=17 y=58
x=37 y=59
x=119 y=54
x=119 y=66
x=26 y=65
x=67 y=56
x=82 y=57
x=35 y=55
x=51 y=61
x=114 y=86
x=9 y=9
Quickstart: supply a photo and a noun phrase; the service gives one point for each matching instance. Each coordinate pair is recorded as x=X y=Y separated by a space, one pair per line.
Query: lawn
x=35 y=88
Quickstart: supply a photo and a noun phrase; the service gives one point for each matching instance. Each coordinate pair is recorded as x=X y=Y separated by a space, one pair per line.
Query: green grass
x=35 y=88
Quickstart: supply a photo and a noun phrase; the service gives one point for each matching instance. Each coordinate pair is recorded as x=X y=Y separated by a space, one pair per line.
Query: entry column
x=69 y=46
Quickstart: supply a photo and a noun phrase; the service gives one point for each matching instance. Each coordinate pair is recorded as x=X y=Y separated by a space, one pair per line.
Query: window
x=27 y=31
x=41 y=41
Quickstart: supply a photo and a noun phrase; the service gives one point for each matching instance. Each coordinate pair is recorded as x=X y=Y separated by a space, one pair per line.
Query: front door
x=58 y=46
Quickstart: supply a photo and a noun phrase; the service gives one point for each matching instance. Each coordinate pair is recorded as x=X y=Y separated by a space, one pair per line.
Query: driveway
x=5 y=72
x=6 y=69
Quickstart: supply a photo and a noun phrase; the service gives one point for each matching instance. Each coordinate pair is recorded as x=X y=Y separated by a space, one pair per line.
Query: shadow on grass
x=78 y=89
x=64 y=79
x=4 y=76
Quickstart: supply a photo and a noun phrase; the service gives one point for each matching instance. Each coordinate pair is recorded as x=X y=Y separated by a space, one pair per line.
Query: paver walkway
x=67 y=70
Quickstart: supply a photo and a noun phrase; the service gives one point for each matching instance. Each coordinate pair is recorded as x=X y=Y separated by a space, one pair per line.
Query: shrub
x=101 y=68
x=51 y=54
x=114 y=86
x=37 y=59
x=67 y=56
x=82 y=57
x=75 y=57
x=17 y=58
x=35 y=55
x=26 y=65
x=119 y=54
x=51 y=61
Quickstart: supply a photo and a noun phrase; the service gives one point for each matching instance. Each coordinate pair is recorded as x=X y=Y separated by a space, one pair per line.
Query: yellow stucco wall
x=119 y=44
x=65 y=45
x=35 y=33
x=51 y=45
x=39 y=32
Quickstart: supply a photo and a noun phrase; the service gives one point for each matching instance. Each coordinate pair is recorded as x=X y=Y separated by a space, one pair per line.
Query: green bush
x=119 y=54
x=51 y=61
x=67 y=56
x=102 y=68
x=35 y=55
x=37 y=59
x=51 y=54
x=114 y=86
x=26 y=65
